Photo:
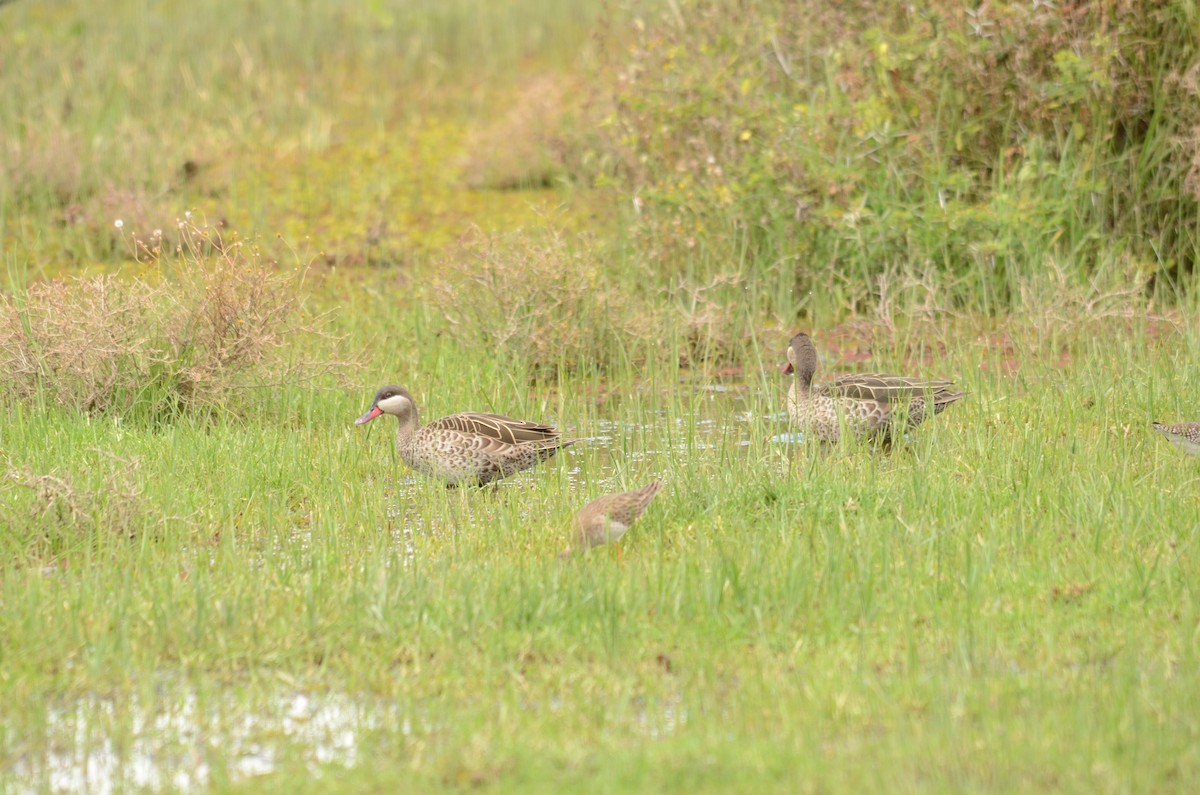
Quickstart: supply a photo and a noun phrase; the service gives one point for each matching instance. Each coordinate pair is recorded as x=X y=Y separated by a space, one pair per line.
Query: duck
x=862 y=404
x=468 y=449
x=606 y=519
x=1184 y=435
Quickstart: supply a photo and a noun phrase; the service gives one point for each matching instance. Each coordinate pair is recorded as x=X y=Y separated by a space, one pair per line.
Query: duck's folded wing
x=495 y=426
x=882 y=387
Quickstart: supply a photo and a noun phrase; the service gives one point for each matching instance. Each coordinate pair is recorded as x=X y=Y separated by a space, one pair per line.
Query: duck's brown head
x=801 y=356
x=393 y=400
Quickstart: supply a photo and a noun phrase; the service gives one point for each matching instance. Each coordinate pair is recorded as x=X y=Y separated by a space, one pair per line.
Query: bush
x=560 y=304
x=218 y=323
x=541 y=299
x=852 y=138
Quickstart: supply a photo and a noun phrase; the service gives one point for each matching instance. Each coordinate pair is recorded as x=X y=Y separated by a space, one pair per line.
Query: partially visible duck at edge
x=1184 y=435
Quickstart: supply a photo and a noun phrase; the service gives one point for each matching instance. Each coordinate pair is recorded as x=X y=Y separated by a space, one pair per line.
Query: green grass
x=1006 y=602
x=258 y=596
x=322 y=125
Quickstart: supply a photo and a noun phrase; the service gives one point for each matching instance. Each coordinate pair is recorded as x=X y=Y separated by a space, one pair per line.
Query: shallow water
x=95 y=746
x=98 y=747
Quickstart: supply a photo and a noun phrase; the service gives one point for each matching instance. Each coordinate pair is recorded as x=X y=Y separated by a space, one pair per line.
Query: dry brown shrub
x=557 y=304
x=220 y=323
x=539 y=298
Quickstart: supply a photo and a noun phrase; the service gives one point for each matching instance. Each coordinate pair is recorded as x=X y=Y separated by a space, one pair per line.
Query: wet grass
x=264 y=599
x=1006 y=602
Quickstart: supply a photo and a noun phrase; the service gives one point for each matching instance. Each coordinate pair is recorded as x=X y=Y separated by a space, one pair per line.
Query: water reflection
x=95 y=747
x=194 y=742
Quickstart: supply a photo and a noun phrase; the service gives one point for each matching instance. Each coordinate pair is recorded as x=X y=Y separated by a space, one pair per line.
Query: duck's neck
x=408 y=426
x=804 y=363
x=804 y=379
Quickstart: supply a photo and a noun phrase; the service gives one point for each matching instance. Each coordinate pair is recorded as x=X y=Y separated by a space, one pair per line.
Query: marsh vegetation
x=610 y=217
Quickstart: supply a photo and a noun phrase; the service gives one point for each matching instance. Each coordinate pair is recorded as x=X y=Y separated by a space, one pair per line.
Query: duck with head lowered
x=606 y=519
x=863 y=404
x=469 y=449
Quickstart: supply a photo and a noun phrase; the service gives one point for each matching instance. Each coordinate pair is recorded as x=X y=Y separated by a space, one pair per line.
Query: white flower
x=118 y=223
x=187 y=214
x=158 y=233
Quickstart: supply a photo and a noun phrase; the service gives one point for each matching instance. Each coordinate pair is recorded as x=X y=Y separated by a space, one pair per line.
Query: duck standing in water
x=862 y=404
x=606 y=519
x=467 y=449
